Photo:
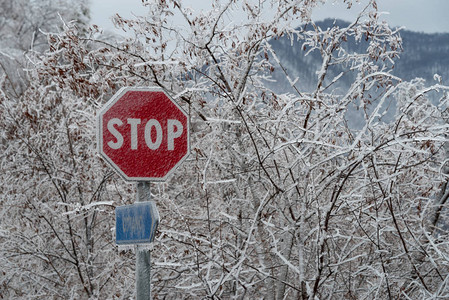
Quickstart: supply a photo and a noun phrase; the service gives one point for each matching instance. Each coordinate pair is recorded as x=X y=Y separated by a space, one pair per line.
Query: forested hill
x=423 y=56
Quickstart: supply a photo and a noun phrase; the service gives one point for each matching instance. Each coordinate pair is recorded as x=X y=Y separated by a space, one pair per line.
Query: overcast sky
x=417 y=15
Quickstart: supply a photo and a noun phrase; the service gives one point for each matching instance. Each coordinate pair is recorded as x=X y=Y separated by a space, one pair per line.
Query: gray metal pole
x=143 y=263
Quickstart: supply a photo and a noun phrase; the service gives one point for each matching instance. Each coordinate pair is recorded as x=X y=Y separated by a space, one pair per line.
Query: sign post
x=144 y=136
x=143 y=262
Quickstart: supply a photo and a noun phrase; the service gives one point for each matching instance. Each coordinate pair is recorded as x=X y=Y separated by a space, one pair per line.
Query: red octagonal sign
x=143 y=134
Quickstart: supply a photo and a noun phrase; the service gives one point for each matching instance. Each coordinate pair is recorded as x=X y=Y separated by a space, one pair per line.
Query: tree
x=280 y=198
x=24 y=25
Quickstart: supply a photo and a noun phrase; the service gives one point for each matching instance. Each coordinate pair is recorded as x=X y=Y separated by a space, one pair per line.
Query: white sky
x=417 y=15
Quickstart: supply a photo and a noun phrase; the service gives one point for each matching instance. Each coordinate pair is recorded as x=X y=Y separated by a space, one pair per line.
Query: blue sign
x=136 y=223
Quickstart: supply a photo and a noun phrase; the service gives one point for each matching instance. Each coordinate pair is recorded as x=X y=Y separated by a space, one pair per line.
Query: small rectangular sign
x=136 y=223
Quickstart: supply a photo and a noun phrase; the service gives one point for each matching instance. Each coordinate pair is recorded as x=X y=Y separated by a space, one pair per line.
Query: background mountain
x=423 y=56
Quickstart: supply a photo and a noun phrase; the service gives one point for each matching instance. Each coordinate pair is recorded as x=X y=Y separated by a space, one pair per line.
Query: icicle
x=121 y=248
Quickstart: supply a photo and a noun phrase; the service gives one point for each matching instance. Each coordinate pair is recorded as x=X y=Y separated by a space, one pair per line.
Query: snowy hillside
x=423 y=56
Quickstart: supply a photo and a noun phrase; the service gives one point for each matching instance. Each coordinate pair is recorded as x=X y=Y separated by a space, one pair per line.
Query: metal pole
x=143 y=264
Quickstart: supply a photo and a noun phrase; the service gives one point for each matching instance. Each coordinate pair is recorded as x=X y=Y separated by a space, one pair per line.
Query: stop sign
x=143 y=134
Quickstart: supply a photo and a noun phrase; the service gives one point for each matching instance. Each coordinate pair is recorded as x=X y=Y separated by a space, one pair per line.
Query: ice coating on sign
x=143 y=134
